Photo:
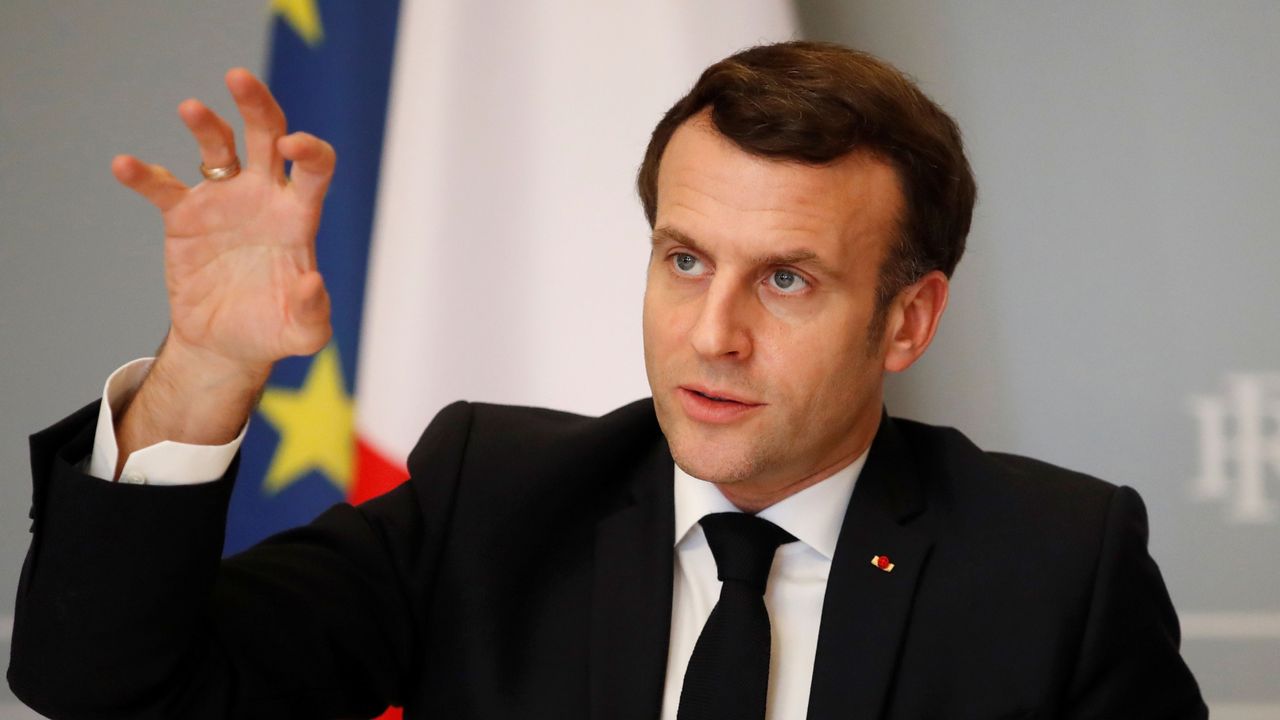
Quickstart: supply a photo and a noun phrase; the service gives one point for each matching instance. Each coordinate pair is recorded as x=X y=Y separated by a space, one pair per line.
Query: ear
x=913 y=319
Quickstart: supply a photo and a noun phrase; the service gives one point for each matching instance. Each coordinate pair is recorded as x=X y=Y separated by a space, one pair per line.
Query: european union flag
x=330 y=68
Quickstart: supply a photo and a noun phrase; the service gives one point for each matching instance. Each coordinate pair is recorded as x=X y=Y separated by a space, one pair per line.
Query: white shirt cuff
x=166 y=462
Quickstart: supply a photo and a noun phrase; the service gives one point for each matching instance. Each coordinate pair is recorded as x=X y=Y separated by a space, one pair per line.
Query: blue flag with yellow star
x=330 y=68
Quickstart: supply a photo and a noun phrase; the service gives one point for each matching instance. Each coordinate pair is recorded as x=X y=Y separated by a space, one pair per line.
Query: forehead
x=718 y=194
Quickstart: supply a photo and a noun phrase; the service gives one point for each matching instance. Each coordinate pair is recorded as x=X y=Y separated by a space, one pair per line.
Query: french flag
x=481 y=238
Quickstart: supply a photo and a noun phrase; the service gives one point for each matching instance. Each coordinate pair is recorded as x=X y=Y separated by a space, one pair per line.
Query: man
x=758 y=540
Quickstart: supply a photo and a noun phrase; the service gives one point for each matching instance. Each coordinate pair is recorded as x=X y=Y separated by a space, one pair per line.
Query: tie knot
x=743 y=546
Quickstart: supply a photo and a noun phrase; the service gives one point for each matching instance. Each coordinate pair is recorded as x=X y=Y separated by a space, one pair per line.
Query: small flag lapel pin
x=882 y=562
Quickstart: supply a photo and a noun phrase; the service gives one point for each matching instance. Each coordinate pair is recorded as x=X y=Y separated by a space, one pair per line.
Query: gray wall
x=1122 y=261
x=1122 y=268
x=81 y=289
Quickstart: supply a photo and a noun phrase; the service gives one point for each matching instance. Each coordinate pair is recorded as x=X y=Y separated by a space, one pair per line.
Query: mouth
x=716 y=396
x=712 y=405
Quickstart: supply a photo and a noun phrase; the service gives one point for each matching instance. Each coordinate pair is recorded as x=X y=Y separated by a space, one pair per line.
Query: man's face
x=761 y=291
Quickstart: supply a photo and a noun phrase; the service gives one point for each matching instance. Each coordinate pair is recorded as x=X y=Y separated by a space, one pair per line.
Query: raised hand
x=240 y=261
x=240 y=268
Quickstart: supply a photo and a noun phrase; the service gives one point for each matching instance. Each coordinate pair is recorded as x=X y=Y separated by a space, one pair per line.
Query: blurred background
x=1116 y=311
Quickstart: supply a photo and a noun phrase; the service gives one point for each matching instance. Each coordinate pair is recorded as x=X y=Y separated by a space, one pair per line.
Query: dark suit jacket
x=525 y=572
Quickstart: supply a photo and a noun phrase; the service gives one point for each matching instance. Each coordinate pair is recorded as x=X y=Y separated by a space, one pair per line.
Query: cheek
x=819 y=361
x=663 y=321
x=651 y=308
x=670 y=308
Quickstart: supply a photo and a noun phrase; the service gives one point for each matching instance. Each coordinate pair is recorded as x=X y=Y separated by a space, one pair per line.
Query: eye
x=686 y=264
x=787 y=282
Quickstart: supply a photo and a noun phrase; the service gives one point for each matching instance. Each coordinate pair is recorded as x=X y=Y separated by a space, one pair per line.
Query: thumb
x=308 y=330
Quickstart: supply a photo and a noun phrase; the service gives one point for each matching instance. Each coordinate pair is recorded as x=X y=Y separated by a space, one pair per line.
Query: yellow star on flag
x=303 y=16
x=316 y=423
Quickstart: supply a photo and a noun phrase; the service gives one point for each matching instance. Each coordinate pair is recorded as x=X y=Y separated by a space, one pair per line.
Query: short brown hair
x=814 y=102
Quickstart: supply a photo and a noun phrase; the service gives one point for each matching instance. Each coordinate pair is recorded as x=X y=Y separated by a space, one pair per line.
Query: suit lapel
x=866 y=609
x=631 y=603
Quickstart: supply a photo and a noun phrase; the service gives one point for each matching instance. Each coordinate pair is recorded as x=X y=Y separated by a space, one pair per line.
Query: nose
x=722 y=330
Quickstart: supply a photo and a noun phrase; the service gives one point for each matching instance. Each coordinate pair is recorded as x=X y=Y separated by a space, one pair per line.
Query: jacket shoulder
x=1040 y=576
x=955 y=469
x=478 y=455
x=1030 y=519
x=532 y=433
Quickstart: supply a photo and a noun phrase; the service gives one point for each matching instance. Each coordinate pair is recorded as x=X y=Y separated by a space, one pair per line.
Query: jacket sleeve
x=1129 y=664
x=125 y=609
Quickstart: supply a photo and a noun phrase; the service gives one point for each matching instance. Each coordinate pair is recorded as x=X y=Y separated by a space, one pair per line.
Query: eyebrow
x=667 y=234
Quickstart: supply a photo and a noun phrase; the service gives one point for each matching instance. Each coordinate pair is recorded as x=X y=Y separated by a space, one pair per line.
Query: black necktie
x=728 y=675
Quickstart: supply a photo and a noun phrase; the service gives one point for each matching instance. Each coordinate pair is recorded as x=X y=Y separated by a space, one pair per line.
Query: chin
x=717 y=455
x=715 y=462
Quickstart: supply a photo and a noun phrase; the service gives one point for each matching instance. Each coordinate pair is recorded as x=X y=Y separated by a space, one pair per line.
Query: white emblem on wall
x=1240 y=447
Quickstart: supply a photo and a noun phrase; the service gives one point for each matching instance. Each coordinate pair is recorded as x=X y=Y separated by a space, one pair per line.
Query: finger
x=215 y=137
x=264 y=122
x=152 y=182
x=313 y=161
x=309 y=310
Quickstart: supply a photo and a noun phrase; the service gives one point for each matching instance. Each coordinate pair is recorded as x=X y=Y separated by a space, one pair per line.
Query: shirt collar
x=813 y=515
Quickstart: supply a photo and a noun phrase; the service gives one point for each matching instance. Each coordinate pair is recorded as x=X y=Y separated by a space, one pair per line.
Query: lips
x=714 y=406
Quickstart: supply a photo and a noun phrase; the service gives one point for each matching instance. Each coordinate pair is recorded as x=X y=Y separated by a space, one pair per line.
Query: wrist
x=190 y=396
x=193 y=369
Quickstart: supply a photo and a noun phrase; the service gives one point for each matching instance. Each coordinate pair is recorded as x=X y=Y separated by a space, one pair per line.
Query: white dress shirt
x=797 y=581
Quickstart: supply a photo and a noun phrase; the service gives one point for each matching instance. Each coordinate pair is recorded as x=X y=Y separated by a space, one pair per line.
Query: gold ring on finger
x=225 y=172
